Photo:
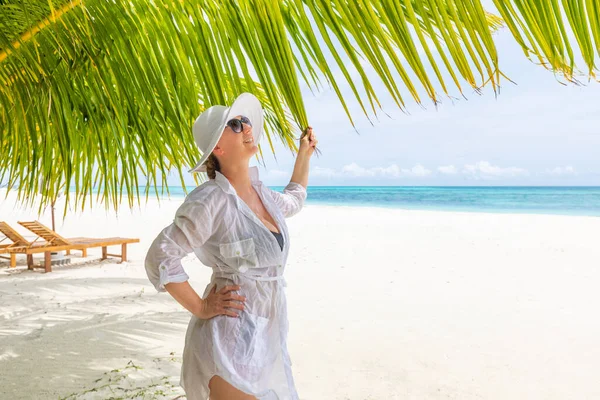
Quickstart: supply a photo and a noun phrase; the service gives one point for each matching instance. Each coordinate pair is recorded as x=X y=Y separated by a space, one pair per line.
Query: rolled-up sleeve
x=291 y=201
x=190 y=229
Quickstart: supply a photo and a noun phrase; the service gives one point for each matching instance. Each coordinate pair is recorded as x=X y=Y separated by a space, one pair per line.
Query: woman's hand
x=308 y=142
x=221 y=302
x=308 y=145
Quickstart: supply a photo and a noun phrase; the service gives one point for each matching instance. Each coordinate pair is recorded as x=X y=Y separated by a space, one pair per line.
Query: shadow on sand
x=88 y=337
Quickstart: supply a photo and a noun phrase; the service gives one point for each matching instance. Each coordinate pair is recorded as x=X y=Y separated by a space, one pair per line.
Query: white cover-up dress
x=250 y=352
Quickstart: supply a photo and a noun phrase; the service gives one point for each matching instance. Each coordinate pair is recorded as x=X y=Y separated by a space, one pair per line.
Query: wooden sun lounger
x=19 y=243
x=14 y=236
x=55 y=242
x=4 y=250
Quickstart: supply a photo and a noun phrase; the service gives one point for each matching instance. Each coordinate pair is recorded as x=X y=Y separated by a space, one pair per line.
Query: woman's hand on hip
x=222 y=302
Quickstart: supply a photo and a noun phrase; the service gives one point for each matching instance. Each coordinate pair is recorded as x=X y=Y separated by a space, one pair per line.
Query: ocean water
x=576 y=200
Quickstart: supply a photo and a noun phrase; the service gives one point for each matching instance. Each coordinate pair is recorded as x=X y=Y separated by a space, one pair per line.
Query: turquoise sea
x=576 y=200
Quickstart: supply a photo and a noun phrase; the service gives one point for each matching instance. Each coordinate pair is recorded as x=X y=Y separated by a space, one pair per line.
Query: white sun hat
x=209 y=125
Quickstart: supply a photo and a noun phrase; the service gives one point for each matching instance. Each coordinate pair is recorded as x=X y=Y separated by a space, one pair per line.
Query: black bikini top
x=279 y=238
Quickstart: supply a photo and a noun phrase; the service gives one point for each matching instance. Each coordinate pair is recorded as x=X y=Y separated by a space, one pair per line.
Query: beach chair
x=54 y=242
x=18 y=244
x=11 y=256
x=4 y=250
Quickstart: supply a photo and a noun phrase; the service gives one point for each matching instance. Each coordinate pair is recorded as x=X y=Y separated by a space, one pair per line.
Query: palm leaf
x=100 y=95
x=542 y=28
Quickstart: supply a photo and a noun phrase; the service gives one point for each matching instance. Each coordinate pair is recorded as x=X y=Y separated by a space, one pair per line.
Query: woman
x=235 y=346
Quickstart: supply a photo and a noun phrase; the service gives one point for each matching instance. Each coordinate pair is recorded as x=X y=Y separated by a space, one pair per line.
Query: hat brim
x=247 y=105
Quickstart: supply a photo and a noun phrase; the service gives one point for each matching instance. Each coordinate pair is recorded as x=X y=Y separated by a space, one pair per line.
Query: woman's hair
x=212 y=165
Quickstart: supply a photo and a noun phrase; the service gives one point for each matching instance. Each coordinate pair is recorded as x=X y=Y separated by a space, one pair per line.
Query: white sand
x=383 y=304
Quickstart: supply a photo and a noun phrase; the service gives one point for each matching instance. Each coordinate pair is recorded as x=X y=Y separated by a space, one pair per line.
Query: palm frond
x=544 y=29
x=100 y=95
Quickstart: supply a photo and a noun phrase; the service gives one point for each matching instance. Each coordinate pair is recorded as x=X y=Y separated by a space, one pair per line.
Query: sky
x=535 y=132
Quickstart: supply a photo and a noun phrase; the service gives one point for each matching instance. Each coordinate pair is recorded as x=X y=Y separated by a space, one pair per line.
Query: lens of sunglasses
x=236 y=124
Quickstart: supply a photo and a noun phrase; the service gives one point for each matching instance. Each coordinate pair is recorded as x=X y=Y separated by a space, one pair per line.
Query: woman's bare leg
x=220 y=389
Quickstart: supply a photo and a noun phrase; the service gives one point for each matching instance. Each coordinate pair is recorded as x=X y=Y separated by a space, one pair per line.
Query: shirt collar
x=227 y=187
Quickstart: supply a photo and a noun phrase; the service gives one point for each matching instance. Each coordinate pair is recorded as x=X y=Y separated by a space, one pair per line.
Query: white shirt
x=250 y=351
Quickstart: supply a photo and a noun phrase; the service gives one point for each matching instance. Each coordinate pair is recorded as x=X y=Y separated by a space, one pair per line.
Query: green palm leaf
x=542 y=29
x=100 y=95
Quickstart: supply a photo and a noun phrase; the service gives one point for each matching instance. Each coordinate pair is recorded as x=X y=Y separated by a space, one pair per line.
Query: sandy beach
x=383 y=304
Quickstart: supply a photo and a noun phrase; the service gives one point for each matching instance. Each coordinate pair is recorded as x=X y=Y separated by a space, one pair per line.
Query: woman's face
x=236 y=147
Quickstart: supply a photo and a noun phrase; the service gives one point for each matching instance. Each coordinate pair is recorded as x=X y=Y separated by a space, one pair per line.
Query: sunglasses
x=236 y=125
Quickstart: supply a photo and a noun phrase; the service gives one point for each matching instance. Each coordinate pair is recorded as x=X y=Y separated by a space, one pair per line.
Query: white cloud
x=277 y=173
x=417 y=171
x=356 y=170
x=485 y=170
x=448 y=170
x=482 y=170
x=562 y=171
x=391 y=171
x=324 y=172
